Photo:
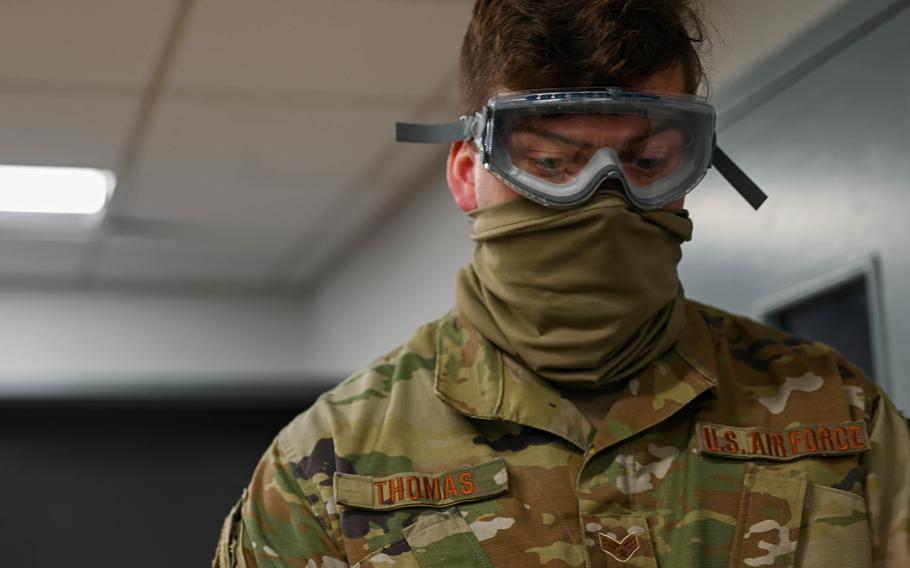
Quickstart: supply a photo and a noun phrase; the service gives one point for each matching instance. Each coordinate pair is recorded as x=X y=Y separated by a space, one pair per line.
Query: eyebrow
x=534 y=129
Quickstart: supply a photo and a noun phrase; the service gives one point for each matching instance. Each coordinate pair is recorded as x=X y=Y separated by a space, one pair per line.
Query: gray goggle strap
x=738 y=179
x=469 y=127
x=429 y=133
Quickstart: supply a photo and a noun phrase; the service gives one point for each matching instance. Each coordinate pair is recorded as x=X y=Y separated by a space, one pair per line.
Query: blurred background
x=266 y=237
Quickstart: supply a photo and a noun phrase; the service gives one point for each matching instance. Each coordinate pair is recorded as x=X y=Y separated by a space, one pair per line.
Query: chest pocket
x=437 y=539
x=412 y=519
x=788 y=522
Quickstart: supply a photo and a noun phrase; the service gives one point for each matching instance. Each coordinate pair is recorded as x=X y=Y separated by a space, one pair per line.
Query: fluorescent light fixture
x=34 y=189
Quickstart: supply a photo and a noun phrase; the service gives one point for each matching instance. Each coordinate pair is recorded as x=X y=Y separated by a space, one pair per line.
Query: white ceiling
x=252 y=139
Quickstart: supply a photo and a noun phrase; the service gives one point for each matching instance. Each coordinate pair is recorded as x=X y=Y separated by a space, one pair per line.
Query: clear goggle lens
x=557 y=148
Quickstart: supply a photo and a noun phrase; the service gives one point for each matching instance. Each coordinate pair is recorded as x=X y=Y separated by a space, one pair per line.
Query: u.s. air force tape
x=782 y=445
x=415 y=488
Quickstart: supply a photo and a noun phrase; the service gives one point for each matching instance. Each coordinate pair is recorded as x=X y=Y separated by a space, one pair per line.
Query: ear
x=460 y=174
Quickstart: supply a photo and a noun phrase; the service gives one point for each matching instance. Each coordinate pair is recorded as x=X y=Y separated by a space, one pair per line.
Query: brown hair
x=537 y=44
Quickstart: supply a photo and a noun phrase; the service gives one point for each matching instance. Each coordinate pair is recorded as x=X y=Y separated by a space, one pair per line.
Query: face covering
x=582 y=297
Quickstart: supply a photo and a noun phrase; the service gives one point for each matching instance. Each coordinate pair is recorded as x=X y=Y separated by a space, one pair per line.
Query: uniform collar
x=480 y=381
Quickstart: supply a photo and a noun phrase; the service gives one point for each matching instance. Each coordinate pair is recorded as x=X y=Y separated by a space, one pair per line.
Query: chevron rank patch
x=782 y=445
x=619 y=550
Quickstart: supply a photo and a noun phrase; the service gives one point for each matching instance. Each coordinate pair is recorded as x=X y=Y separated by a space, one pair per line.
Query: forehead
x=671 y=80
x=591 y=131
x=580 y=123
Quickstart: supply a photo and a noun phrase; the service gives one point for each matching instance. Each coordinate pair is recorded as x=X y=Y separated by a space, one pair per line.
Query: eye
x=650 y=164
x=550 y=166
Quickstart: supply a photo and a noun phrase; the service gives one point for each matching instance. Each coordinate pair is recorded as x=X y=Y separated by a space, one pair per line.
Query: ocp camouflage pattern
x=446 y=452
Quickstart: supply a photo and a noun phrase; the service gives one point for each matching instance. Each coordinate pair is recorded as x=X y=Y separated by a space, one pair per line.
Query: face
x=544 y=154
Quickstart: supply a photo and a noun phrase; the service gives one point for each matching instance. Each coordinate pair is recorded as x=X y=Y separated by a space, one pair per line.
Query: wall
x=59 y=340
x=831 y=149
x=63 y=341
x=403 y=277
x=125 y=483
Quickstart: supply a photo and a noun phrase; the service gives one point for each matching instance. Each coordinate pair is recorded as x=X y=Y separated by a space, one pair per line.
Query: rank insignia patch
x=782 y=445
x=620 y=550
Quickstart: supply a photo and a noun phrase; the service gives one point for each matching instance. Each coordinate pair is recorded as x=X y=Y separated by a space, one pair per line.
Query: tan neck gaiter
x=582 y=297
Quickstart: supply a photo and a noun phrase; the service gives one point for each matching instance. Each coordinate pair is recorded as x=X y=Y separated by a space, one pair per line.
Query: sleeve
x=887 y=484
x=277 y=523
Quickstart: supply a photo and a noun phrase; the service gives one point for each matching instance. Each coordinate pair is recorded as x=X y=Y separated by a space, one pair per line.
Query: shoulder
x=748 y=337
x=767 y=365
x=380 y=394
x=759 y=346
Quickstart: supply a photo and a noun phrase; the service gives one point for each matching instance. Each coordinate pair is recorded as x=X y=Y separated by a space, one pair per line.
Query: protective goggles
x=558 y=147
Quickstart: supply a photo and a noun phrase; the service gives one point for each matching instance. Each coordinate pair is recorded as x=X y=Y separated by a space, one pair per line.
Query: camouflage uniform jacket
x=742 y=446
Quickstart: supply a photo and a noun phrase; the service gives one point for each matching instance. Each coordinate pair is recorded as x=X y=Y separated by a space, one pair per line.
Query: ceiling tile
x=53 y=130
x=268 y=169
x=128 y=259
x=84 y=41
x=370 y=47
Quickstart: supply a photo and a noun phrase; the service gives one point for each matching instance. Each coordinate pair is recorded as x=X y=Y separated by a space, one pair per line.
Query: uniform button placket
x=614 y=535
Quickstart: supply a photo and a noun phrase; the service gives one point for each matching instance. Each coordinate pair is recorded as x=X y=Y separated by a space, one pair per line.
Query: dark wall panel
x=121 y=483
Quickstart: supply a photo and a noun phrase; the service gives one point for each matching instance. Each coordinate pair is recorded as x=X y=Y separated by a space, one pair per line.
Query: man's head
x=514 y=45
